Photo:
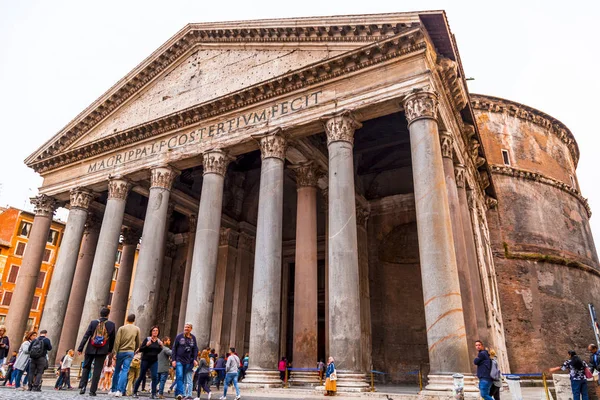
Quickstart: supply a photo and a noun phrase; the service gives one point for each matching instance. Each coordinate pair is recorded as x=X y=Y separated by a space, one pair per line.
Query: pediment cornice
x=404 y=40
x=351 y=29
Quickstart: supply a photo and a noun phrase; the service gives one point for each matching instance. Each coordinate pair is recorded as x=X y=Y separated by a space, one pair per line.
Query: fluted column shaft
x=64 y=271
x=79 y=286
x=462 y=262
x=191 y=238
x=444 y=317
x=344 y=294
x=306 y=285
x=18 y=313
x=199 y=305
x=266 y=290
x=118 y=307
x=104 y=259
x=145 y=294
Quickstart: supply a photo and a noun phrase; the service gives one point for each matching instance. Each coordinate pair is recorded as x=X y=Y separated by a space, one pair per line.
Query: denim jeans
x=484 y=389
x=18 y=375
x=579 y=388
x=162 y=381
x=119 y=381
x=153 y=367
x=183 y=376
x=233 y=377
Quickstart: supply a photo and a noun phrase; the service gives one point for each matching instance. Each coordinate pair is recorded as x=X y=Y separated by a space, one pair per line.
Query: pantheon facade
x=319 y=186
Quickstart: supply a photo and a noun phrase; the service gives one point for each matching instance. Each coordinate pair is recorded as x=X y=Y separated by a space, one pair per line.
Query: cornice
x=385 y=48
x=528 y=114
x=534 y=176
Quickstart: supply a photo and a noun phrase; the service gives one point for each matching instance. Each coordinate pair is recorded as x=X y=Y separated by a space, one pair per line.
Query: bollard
x=285 y=383
x=546 y=386
x=458 y=390
x=420 y=379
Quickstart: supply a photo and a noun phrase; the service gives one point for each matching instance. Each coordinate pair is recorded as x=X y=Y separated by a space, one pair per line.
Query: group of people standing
x=157 y=357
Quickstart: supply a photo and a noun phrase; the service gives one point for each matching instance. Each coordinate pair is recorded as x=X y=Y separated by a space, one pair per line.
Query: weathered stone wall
x=544 y=254
x=398 y=315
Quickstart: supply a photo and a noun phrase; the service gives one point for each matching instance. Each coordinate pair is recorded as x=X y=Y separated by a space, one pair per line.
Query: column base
x=350 y=382
x=261 y=378
x=439 y=385
x=305 y=378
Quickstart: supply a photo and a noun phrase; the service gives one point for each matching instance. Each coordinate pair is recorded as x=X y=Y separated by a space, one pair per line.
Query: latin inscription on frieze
x=206 y=132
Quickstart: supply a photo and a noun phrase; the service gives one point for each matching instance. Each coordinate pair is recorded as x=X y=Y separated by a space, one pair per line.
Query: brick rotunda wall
x=544 y=253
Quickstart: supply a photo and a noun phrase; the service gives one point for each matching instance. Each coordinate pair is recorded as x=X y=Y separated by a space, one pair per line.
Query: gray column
x=305 y=282
x=18 y=313
x=144 y=296
x=462 y=262
x=240 y=290
x=191 y=237
x=81 y=280
x=106 y=252
x=444 y=316
x=64 y=270
x=362 y=217
x=469 y=238
x=344 y=293
x=206 y=246
x=266 y=290
x=118 y=307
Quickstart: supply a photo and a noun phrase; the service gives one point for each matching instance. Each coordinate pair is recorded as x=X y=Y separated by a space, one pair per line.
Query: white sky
x=56 y=57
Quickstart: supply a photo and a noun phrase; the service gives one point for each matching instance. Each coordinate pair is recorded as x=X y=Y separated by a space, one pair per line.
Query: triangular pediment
x=206 y=62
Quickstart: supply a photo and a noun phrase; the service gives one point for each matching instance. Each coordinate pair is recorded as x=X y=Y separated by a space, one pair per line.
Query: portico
x=370 y=111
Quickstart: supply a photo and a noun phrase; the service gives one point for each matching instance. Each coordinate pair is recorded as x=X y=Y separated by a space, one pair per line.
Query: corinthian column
x=344 y=293
x=206 y=245
x=80 y=284
x=190 y=239
x=462 y=262
x=144 y=296
x=446 y=337
x=62 y=278
x=305 y=292
x=104 y=259
x=18 y=313
x=118 y=307
x=266 y=289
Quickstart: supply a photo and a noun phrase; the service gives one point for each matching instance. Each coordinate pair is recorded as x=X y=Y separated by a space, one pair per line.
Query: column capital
x=130 y=236
x=228 y=237
x=362 y=215
x=246 y=242
x=215 y=161
x=118 y=187
x=419 y=105
x=307 y=174
x=446 y=142
x=272 y=144
x=44 y=205
x=162 y=177
x=459 y=175
x=340 y=127
x=81 y=198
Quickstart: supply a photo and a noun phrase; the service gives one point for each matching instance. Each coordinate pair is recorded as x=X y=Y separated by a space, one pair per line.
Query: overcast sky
x=56 y=57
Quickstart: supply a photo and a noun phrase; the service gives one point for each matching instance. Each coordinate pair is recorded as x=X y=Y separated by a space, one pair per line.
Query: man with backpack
x=39 y=362
x=98 y=341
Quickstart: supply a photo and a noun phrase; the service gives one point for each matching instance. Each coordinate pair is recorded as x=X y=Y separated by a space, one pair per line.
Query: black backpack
x=36 y=349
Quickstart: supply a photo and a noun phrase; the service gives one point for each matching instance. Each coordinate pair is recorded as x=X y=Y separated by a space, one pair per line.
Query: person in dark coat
x=95 y=352
x=38 y=364
x=484 y=367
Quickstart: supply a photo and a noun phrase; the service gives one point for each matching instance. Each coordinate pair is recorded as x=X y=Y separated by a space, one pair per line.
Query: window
x=41 y=279
x=115 y=274
x=118 y=259
x=12 y=275
x=20 y=250
x=24 y=229
x=47 y=255
x=35 y=303
x=505 y=157
x=6 y=298
x=52 y=237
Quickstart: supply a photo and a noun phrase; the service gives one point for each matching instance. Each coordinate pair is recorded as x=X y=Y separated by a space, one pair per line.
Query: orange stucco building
x=15 y=226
